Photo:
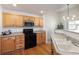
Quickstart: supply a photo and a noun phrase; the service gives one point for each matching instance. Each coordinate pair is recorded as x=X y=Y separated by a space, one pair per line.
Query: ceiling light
x=68 y=17
x=72 y=18
x=41 y=11
x=14 y=5
x=74 y=15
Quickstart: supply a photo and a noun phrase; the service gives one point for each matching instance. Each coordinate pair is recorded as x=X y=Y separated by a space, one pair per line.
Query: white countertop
x=13 y=34
x=63 y=46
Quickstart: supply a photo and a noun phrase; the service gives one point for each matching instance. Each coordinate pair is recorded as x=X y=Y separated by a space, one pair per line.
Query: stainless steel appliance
x=28 y=24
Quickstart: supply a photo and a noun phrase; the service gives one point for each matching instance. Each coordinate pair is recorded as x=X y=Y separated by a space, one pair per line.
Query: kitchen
x=27 y=29
x=15 y=32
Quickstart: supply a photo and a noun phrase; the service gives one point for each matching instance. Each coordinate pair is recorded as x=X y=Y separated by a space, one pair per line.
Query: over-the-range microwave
x=28 y=24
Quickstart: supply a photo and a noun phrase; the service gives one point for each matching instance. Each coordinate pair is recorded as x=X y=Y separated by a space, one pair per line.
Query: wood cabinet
x=29 y=18
x=19 y=41
x=12 y=20
x=18 y=20
x=37 y=21
x=8 y=44
x=41 y=38
x=41 y=21
x=7 y=20
x=0 y=45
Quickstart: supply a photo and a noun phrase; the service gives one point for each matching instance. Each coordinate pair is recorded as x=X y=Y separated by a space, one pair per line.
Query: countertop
x=39 y=31
x=13 y=34
x=62 y=46
x=21 y=33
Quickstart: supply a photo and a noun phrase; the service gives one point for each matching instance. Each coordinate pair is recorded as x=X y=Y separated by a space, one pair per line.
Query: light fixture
x=68 y=17
x=14 y=5
x=74 y=15
x=41 y=11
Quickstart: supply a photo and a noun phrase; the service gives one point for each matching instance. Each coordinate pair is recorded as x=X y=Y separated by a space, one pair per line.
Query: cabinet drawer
x=19 y=42
x=19 y=46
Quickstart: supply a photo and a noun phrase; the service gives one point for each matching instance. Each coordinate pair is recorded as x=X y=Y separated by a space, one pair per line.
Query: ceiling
x=34 y=8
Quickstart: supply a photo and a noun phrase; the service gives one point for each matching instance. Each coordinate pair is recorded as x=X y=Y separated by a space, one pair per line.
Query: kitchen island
x=62 y=46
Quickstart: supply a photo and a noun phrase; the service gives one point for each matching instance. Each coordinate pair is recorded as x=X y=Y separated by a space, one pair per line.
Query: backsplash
x=13 y=30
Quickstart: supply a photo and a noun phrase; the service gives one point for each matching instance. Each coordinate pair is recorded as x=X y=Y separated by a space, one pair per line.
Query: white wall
x=51 y=21
x=72 y=11
x=0 y=19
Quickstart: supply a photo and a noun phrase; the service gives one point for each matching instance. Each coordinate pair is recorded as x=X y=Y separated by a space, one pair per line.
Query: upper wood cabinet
x=8 y=44
x=37 y=21
x=0 y=45
x=7 y=20
x=29 y=18
x=41 y=21
x=18 y=20
x=12 y=20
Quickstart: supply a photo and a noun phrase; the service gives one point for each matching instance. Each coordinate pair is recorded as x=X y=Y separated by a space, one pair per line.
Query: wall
x=51 y=21
x=0 y=19
x=72 y=11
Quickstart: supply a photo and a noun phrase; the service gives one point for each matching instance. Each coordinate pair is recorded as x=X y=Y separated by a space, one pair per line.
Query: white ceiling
x=34 y=8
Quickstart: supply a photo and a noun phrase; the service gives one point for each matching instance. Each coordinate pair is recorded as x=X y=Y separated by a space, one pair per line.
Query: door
x=8 y=44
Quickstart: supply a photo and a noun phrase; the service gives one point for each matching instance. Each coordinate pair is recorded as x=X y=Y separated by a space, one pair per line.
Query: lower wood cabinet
x=0 y=45
x=8 y=44
x=41 y=38
x=19 y=42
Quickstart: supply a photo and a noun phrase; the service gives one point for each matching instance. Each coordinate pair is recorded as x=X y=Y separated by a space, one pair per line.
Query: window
x=72 y=25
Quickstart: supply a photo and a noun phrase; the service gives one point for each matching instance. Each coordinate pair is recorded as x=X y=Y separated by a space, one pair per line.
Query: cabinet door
x=39 y=39
x=26 y=18
x=31 y=18
x=8 y=44
x=37 y=21
x=19 y=41
x=0 y=45
x=41 y=22
x=44 y=37
x=18 y=20
x=7 y=20
x=12 y=20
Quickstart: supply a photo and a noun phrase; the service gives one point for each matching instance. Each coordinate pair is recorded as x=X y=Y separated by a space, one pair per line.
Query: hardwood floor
x=44 y=49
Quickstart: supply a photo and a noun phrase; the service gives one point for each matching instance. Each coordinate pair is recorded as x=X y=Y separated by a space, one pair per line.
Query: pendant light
x=68 y=14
